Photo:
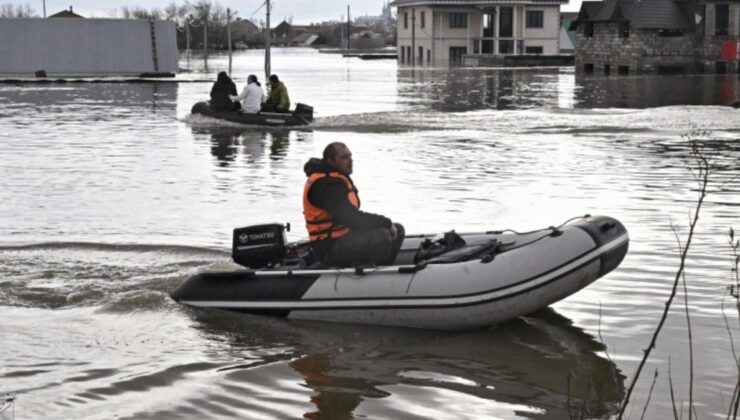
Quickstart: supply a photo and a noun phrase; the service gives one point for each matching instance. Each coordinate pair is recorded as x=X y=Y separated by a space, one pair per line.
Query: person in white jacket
x=252 y=96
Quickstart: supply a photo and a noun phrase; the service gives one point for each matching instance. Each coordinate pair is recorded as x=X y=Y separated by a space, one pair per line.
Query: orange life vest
x=319 y=222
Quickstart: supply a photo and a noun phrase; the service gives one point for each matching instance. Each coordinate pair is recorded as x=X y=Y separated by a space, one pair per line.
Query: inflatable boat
x=451 y=281
x=302 y=115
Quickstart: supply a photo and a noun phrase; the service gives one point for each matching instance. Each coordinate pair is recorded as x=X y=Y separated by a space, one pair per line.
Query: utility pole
x=228 y=34
x=413 y=37
x=187 y=40
x=349 y=30
x=44 y=8
x=205 y=41
x=267 y=42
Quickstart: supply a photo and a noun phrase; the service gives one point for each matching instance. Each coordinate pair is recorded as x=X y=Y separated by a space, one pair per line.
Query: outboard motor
x=259 y=246
x=303 y=111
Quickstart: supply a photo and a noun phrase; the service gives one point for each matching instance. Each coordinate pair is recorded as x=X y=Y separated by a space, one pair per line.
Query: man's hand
x=394 y=232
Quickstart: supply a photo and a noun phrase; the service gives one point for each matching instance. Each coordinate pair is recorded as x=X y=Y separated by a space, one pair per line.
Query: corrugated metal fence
x=87 y=47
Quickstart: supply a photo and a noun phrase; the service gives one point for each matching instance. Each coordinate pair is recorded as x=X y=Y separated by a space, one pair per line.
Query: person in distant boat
x=341 y=234
x=221 y=92
x=252 y=96
x=278 y=99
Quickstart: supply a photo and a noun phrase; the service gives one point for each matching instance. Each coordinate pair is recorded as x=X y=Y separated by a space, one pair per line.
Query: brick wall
x=643 y=51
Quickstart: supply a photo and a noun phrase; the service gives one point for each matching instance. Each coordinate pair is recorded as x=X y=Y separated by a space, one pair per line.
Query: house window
x=535 y=18
x=588 y=68
x=720 y=67
x=607 y=69
x=405 y=20
x=403 y=55
x=423 y=19
x=588 y=29
x=421 y=55
x=456 y=55
x=722 y=19
x=670 y=70
x=670 y=32
x=533 y=50
x=624 y=29
x=429 y=57
x=623 y=70
x=506 y=22
x=458 y=20
x=408 y=55
x=506 y=46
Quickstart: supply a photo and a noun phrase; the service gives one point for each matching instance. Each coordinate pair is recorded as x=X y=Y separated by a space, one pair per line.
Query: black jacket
x=330 y=194
x=220 y=92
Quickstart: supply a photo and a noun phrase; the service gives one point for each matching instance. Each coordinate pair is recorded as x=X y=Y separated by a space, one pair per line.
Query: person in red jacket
x=341 y=234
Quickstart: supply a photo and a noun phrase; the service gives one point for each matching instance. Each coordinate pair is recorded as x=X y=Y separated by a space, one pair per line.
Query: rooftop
x=470 y=3
x=641 y=14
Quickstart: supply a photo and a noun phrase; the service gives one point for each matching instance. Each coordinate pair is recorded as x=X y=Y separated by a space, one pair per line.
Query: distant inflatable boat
x=451 y=281
x=302 y=115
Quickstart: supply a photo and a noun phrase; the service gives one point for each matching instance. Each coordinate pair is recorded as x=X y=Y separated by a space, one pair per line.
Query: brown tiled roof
x=642 y=14
x=469 y=3
x=588 y=12
x=659 y=14
x=65 y=14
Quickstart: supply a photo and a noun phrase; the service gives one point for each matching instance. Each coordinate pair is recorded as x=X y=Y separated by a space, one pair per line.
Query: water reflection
x=348 y=368
x=90 y=95
x=228 y=142
x=654 y=91
x=460 y=89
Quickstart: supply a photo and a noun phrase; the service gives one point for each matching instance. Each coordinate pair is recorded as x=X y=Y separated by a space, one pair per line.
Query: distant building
x=567 y=36
x=66 y=14
x=379 y=23
x=87 y=47
x=655 y=36
x=367 y=40
x=308 y=39
x=441 y=32
x=281 y=34
x=244 y=29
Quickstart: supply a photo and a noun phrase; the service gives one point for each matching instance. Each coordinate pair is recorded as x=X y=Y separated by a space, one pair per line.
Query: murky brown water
x=113 y=193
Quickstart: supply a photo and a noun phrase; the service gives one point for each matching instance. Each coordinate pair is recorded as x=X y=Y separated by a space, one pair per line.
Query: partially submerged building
x=77 y=47
x=655 y=36
x=441 y=32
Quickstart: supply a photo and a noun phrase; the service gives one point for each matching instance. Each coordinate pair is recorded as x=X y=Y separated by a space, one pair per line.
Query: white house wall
x=85 y=47
x=436 y=38
x=546 y=37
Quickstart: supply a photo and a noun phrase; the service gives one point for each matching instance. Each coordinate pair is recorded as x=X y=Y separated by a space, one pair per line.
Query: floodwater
x=112 y=194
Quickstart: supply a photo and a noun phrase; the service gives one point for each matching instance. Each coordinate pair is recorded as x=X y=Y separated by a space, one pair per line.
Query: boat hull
x=531 y=271
x=261 y=119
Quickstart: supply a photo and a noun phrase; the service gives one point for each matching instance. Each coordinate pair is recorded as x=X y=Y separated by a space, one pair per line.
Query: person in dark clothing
x=341 y=234
x=278 y=99
x=220 y=100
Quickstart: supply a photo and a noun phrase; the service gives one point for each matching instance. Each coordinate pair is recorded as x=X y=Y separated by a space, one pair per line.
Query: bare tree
x=7 y=10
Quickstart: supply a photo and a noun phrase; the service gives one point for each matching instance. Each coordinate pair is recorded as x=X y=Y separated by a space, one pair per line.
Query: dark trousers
x=366 y=247
x=272 y=107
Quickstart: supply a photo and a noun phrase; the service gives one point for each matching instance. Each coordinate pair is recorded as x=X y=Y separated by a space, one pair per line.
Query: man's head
x=274 y=79
x=338 y=155
x=251 y=78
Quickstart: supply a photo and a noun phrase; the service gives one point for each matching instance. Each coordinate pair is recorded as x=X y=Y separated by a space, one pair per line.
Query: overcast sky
x=302 y=11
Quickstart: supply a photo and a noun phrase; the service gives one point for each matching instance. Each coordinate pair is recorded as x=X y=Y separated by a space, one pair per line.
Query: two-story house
x=441 y=32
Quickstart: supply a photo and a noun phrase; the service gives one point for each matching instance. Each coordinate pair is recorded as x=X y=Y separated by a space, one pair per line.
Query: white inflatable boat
x=451 y=281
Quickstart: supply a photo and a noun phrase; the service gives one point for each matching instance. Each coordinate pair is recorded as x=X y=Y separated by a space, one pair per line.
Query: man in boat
x=278 y=99
x=341 y=234
x=252 y=96
x=221 y=91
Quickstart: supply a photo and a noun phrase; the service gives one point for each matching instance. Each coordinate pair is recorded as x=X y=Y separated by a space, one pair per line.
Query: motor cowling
x=304 y=111
x=259 y=246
